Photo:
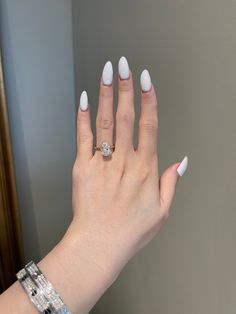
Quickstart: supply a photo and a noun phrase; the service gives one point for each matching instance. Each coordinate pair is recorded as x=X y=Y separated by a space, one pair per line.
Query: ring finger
x=105 y=119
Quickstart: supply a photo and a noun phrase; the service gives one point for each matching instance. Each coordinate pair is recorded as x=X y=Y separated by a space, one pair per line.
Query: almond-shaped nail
x=145 y=81
x=107 y=73
x=123 y=68
x=83 y=101
x=183 y=166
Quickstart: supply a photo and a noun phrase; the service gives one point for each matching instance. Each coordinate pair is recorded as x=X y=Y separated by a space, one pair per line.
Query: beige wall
x=190 y=49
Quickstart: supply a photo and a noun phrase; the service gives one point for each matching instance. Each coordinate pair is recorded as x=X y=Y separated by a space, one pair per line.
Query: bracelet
x=40 y=290
x=33 y=292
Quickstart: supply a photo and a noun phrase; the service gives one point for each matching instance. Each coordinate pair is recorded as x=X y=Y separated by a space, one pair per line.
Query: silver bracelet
x=33 y=292
x=41 y=291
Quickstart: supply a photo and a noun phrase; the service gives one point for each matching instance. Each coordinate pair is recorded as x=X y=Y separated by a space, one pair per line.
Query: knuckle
x=125 y=117
x=105 y=123
x=85 y=137
x=149 y=125
x=125 y=86
x=118 y=169
x=144 y=173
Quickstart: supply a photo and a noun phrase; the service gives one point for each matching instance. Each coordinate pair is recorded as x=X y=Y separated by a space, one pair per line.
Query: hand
x=119 y=203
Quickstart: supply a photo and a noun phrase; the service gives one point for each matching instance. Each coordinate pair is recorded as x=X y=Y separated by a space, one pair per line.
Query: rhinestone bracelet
x=41 y=291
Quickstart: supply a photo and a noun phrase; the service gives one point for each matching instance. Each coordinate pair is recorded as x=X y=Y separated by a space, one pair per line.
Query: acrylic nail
x=107 y=73
x=123 y=68
x=145 y=81
x=183 y=166
x=84 y=101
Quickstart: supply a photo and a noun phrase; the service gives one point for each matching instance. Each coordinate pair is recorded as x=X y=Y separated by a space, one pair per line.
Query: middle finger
x=125 y=111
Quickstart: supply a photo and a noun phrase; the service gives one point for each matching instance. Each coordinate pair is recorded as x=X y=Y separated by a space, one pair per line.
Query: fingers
x=168 y=181
x=125 y=115
x=125 y=111
x=105 y=120
x=148 y=122
x=84 y=132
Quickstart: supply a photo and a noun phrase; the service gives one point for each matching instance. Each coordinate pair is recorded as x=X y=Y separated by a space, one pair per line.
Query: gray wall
x=36 y=37
x=190 y=49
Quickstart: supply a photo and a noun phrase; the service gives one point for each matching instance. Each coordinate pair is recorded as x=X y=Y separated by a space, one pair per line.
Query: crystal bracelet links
x=40 y=290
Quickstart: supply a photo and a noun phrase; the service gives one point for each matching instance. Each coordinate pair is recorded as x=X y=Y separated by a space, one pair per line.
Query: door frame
x=11 y=243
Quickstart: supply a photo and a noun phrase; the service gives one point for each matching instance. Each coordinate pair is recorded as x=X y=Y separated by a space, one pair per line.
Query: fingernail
x=145 y=81
x=83 y=101
x=107 y=73
x=123 y=67
x=183 y=166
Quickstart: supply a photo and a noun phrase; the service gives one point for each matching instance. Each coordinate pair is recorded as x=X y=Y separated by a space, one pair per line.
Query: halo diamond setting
x=106 y=149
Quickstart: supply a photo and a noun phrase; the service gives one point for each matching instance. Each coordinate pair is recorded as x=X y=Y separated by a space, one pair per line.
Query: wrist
x=107 y=249
x=95 y=251
x=80 y=269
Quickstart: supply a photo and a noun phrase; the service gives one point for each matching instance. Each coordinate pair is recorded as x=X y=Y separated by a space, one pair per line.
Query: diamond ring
x=105 y=149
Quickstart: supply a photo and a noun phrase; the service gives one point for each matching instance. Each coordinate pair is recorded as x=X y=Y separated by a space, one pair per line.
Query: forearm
x=80 y=271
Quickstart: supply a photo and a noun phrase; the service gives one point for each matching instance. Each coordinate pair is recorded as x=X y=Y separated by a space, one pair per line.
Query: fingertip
x=105 y=91
x=126 y=85
x=149 y=97
x=171 y=171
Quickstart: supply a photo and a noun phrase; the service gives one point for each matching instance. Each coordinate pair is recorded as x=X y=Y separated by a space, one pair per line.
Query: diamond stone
x=106 y=149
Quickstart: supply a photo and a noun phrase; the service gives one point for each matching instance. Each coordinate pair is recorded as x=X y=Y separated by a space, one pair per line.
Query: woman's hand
x=119 y=203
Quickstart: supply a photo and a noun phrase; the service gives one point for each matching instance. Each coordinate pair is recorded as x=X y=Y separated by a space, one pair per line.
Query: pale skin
x=119 y=204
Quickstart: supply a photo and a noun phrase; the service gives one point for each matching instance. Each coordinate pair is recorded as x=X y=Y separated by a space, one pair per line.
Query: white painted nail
x=123 y=67
x=145 y=81
x=183 y=166
x=107 y=73
x=83 y=101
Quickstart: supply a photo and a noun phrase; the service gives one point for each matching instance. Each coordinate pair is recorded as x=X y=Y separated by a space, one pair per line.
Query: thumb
x=168 y=181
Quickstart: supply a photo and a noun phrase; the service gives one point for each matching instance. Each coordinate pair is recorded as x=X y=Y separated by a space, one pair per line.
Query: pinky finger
x=84 y=131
